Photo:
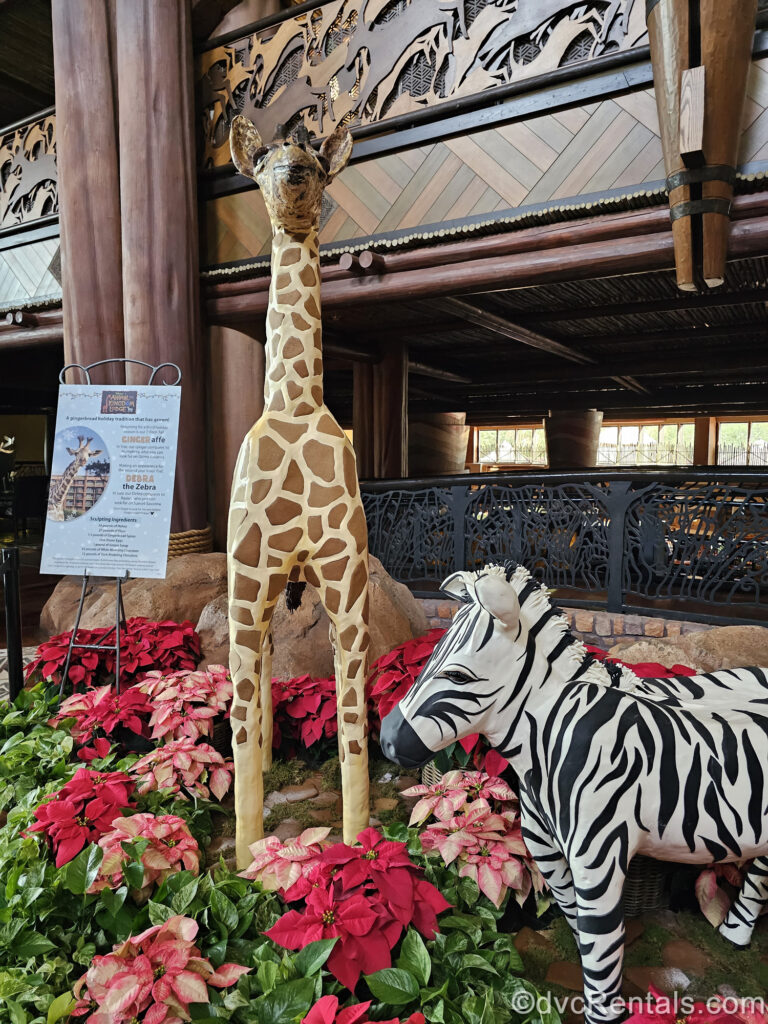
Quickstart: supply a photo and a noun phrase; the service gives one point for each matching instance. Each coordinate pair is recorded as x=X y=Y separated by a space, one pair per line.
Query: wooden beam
x=691 y=138
x=425 y=370
x=507 y=329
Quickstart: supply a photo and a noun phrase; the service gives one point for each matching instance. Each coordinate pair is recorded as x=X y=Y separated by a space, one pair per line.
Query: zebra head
x=472 y=672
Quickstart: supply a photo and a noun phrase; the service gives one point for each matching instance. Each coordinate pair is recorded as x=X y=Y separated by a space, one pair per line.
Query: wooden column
x=236 y=400
x=390 y=413
x=89 y=191
x=362 y=419
x=573 y=438
x=159 y=237
x=705 y=441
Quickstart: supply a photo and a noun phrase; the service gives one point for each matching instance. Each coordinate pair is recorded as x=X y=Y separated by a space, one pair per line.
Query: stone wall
x=603 y=629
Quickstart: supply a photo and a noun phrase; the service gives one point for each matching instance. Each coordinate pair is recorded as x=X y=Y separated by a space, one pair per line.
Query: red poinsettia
x=326 y=1011
x=393 y=674
x=166 y=646
x=666 y=1010
x=379 y=876
x=103 y=710
x=82 y=811
x=304 y=711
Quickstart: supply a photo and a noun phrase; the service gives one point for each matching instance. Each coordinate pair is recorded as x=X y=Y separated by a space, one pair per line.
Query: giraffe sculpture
x=57 y=495
x=296 y=515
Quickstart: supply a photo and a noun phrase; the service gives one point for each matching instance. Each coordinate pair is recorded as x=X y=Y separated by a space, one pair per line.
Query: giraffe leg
x=265 y=680
x=740 y=920
x=247 y=718
x=350 y=640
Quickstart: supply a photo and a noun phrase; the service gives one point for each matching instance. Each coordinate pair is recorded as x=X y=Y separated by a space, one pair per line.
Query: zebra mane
x=535 y=602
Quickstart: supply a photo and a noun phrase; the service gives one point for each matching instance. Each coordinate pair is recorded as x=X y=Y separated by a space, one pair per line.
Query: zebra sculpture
x=609 y=765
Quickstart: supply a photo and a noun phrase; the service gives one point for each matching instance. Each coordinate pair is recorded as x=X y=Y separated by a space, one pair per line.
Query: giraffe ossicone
x=296 y=514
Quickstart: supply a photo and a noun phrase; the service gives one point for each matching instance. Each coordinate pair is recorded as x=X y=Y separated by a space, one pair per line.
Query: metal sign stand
x=120 y=620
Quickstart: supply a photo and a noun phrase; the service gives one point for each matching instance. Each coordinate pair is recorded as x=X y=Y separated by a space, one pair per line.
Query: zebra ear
x=456 y=586
x=497 y=596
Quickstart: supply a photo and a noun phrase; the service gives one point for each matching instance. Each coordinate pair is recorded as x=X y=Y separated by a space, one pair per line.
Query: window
x=646 y=444
x=516 y=446
x=742 y=443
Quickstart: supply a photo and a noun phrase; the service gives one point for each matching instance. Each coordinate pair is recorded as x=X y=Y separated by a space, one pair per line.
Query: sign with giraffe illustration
x=112 y=473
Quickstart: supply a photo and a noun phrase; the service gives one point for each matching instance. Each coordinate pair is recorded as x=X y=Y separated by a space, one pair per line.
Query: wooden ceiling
x=632 y=345
x=26 y=58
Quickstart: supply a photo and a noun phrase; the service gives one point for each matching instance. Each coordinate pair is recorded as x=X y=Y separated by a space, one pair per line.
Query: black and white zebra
x=609 y=765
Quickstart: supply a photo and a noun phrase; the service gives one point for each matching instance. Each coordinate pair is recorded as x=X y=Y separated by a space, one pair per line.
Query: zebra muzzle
x=400 y=742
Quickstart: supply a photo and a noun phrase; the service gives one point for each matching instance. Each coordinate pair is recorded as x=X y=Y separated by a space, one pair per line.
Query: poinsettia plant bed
x=184 y=768
x=144 y=646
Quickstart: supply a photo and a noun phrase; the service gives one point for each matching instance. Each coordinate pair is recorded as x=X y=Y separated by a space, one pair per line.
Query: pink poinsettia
x=486 y=845
x=156 y=974
x=326 y=1011
x=184 y=767
x=185 y=703
x=663 y=1009
x=171 y=847
x=278 y=866
x=445 y=798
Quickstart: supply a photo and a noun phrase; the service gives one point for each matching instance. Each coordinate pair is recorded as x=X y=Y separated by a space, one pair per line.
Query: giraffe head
x=290 y=174
x=83 y=452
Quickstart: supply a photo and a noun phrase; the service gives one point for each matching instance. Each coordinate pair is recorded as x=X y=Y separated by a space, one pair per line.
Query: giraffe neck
x=294 y=356
x=65 y=483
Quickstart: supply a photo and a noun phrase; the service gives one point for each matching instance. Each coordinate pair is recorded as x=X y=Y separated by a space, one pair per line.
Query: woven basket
x=191 y=542
x=645 y=886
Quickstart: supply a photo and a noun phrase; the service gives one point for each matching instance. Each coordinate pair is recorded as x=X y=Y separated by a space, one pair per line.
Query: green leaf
x=267 y=975
x=217 y=953
x=472 y=926
x=133 y=873
x=477 y=1009
x=79 y=874
x=393 y=985
x=476 y=962
x=85 y=955
x=469 y=890
x=158 y=914
x=287 y=1003
x=112 y=901
x=313 y=956
x=60 y=1007
x=17 y=1013
x=435 y=1012
x=184 y=896
x=32 y=944
x=415 y=958
x=224 y=911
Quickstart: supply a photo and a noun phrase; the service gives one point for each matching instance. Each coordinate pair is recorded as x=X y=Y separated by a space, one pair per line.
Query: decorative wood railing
x=28 y=179
x=365 y=61
x=687 y=543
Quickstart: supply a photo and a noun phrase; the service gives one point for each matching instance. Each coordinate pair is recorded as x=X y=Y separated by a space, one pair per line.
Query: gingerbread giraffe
x=296 y=515
x=58 y=492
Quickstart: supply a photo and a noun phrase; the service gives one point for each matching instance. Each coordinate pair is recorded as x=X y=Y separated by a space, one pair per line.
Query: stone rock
x=323 y=815
x=301 y=638
x=707 y=650
x=527 y=939
x=684 y=955
x=405 y=782
x=385 y=803
x=290 y=828
x=327 y=799
x=293 y=794
x=191 y=583
x=668 y=980
x=274 y=798
x=221 y=846
x=565 y=974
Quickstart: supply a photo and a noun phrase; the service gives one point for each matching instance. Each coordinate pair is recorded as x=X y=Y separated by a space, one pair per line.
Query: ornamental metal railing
x=689 y=543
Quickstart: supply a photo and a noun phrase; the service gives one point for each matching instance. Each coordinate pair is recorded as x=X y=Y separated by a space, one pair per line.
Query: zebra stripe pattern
x=609 y=765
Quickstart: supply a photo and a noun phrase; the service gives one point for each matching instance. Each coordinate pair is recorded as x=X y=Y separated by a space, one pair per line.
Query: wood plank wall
x=580 y=151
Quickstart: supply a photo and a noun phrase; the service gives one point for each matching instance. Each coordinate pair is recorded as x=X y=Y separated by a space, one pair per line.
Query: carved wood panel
x=28 y=179
x=363 y=61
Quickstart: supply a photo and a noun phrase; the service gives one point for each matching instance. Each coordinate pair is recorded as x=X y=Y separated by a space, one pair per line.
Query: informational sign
x=111 y=491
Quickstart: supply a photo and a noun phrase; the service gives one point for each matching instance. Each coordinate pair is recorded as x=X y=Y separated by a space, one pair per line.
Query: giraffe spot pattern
x=294 y=481
x=321 y=497
x=317 y=394
x=273 y=562
x=311 y=577
x=302 y=409
x=333 y=546
x=245 y=690
x=308 y=277
x=350 y=718
x=277 y=404
x=332 y=600
x=290 y=256
x=354 y=747
x=286 y=541
x=328 y=425
x=241 y=615
x=350 y=472
x=248 y=639
x=299 y=322
x=290 y=298
x=278 y=373
x=290 y=431
x=335 y=570
x=315 y=528
x=274 y=319
x=348 y=636
x=319 y=458
x=282 y=511
x=354 y=666
x=300 y=368
x=357 y=584
x=247 y=549
x=293 y=348
x=294 y=390
x=318 y=367
x=337 y=513
x=282 y=281
x=260 y=490
x=241 y=736
x=270 y=454
x=240 y=713
x=359 y=529
x=246 y=589
x=275 y=589
x=311 y=307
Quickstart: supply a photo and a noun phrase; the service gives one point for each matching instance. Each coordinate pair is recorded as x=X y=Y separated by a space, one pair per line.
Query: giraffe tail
x=293 y=595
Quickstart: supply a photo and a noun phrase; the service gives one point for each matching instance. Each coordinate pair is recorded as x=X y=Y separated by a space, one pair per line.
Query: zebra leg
x=600 y=922
x=740 y=920
x=552 y=865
